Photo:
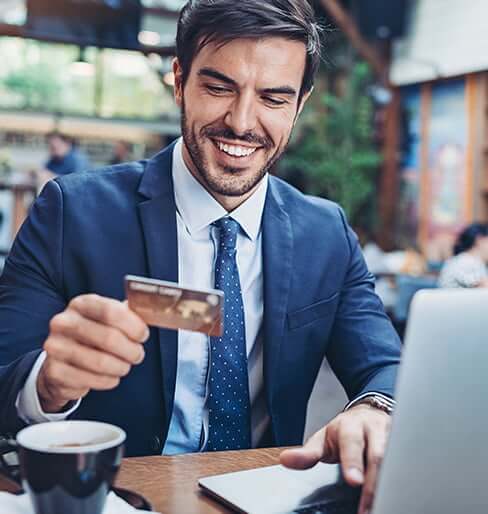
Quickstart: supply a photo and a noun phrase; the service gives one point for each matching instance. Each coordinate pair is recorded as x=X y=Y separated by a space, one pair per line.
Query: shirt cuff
x=28 y=405
x=361 y=397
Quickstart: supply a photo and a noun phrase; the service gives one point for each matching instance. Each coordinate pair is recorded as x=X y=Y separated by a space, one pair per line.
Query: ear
x=178 y=87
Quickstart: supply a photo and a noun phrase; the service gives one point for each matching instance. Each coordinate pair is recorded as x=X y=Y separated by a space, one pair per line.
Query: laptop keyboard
x=328 y=508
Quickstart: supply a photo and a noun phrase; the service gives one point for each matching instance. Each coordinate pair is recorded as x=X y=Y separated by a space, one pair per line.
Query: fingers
x=351 y=450
x=65 y=378
x=71 y=324
x=111 y=313
x=84 y=357
x=54 y=396
x=377 y=440
x=314 y=450
x=91 y=345
x=351 y=438
x=58 y=383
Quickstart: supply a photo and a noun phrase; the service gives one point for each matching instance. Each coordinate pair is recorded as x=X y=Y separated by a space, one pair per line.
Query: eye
x=218 y=90
x=275 y=102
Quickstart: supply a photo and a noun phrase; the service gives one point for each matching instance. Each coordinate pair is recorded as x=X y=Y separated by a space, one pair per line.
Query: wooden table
x=171 y=483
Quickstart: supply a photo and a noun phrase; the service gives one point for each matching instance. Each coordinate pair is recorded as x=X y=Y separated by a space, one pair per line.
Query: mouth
x=235 y=151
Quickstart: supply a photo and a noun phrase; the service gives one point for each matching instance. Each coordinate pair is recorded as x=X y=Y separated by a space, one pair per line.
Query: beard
x=229 y=181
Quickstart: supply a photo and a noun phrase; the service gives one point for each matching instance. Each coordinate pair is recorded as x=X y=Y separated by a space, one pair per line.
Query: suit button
x=156 y=444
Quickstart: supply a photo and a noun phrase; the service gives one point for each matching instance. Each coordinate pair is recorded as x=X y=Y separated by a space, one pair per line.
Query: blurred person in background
x=377 y=262
x=122 y=152
x=372 y=251
x=438 y=250
x=467 y=268
x=64 y=156
x=413 y=263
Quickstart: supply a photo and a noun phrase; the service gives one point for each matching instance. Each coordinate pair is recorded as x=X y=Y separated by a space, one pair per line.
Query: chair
x=407 y=286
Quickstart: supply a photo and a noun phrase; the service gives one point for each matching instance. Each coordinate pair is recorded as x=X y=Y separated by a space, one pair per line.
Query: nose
x=241 y=116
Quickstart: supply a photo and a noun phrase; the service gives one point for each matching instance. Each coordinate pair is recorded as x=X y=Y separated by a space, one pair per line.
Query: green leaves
x=37 y=87
x=333 y=153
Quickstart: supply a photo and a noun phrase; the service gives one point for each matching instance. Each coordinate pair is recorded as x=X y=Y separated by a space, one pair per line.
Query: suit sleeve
x=365 y=349
x=31 y=293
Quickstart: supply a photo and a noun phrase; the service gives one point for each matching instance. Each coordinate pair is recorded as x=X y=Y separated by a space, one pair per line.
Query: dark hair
x=219 y=21
x=59 y=135
x=467 y=238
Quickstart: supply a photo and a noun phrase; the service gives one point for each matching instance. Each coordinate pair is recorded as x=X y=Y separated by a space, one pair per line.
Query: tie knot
x=228 y=229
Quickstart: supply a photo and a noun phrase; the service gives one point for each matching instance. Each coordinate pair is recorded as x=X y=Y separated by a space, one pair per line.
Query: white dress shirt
x=197 y=251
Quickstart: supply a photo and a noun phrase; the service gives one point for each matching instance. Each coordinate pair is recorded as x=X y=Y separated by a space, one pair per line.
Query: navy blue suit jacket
x=87 y=230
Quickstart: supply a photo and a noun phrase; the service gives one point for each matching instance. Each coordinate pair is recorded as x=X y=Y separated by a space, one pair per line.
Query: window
x=55 y=78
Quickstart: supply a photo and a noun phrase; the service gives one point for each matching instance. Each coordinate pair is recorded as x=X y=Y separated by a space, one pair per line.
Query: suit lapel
x=158 y=219
x=277 y=268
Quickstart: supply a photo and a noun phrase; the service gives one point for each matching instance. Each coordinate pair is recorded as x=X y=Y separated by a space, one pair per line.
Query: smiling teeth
x=236 y=151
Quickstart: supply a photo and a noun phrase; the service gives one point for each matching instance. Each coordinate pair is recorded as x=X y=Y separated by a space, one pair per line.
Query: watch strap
x=377 y=400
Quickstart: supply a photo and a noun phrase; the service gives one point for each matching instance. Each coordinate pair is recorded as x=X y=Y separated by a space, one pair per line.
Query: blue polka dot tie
x=229 y=412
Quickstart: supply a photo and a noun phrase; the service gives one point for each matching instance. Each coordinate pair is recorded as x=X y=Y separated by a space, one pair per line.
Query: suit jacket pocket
x=311 y=313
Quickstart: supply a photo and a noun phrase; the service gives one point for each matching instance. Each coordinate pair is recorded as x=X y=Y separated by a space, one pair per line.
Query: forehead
x=269 y=62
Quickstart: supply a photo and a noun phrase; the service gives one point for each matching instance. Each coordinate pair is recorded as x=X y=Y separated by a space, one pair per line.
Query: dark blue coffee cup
x=69 y=466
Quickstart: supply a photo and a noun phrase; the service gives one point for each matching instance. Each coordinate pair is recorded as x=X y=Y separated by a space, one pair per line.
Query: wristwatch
x=378 y=401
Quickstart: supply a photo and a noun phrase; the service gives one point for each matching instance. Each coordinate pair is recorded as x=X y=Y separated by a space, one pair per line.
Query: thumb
x=308 y=455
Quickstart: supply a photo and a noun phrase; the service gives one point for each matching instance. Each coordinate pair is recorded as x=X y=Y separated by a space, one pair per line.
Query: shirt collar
x=199 y=209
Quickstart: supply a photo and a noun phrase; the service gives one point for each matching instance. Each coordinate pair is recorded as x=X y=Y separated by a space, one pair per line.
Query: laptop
x=437 y=455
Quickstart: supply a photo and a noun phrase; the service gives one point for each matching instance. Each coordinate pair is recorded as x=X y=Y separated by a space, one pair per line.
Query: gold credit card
x=168 y=305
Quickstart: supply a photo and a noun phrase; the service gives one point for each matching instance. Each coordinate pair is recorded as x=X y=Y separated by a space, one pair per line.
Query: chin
x=231 y=186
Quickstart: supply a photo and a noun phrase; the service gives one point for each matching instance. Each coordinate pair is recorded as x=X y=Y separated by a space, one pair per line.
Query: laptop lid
x=437 y=456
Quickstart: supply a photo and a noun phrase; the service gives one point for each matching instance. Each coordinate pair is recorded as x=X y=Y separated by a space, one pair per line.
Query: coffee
x=100 y=440
x=66 y=445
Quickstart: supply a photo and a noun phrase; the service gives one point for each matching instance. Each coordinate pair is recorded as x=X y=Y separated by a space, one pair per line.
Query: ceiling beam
x=347 y=24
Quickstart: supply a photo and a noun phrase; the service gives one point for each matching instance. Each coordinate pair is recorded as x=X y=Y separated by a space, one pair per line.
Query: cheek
x=206 y=110
x=279 y=125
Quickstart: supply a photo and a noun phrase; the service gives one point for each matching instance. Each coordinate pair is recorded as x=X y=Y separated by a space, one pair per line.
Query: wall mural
x=447 y=157
x=408 y=209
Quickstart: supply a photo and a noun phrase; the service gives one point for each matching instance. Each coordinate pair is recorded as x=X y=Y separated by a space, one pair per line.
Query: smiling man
x=205 y=212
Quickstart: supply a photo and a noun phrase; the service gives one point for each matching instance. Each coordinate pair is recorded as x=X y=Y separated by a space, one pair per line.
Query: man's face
x=58 y=147
x=239 y=105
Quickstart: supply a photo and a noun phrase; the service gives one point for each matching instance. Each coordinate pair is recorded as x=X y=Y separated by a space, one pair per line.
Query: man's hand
x=91 y=345
x=357 y=439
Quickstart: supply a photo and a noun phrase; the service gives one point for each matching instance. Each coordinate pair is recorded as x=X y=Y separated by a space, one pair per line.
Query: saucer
x=136 y=500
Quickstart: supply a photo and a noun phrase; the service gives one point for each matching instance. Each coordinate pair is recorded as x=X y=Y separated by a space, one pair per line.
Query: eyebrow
x=214 y=74
x=283 y=90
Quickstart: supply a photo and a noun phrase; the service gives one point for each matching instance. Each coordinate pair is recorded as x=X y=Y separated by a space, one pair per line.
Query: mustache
x=248 y=137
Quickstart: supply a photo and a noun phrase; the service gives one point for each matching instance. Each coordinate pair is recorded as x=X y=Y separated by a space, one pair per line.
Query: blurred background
x=396 y=131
